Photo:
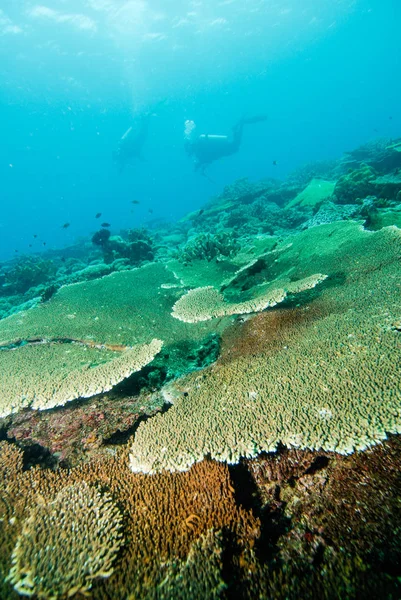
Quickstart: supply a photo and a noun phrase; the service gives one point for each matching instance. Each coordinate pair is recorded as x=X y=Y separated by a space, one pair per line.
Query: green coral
x=313 y=195
x=355 y=185
x=27 y=273
x=207 y=246
x=324 y=379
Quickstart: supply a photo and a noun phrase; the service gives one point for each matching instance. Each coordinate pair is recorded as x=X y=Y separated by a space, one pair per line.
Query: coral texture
x=314 y=194
x=66 y=543
x=42 y=376
x=171 y=524
x=202 y=304
x=327 y=380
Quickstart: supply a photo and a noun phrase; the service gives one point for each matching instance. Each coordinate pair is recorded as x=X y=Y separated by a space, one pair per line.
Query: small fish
x=16 y=250
x=44 y=243
x=65 y=226
x=274 y=163
x=97 y=215
x=35 y=235
x=30 y=245
x=202 y=210
x=134 y=201
x=150 y=211
x=63 y=259
x=105 y=225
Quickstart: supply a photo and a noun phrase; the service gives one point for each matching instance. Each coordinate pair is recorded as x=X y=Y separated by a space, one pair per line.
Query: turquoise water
x=74 y=76
x=200 y=308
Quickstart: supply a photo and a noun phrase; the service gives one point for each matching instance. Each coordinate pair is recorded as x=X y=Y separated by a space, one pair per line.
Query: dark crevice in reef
x=121 y=437
x=34 y=341
x=319 y=463
x=245 y=488
x=35 y=455
x=273 y=521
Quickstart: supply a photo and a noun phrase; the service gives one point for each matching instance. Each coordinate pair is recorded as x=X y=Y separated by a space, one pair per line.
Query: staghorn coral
x=326 y=380
x=198 y=577
x=202 y=304
x=42 y=376
x=66 y=543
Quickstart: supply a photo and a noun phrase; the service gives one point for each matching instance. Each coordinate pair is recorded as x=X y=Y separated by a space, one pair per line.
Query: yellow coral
x=204 y=303
x=65 y=544
x=42 y=376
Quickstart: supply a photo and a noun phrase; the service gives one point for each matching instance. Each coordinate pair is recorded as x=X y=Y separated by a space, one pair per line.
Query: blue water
x=74 y=74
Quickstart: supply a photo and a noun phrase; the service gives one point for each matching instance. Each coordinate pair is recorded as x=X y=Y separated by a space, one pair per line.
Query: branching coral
x=66 y=543
x=208 y=247
x=171 y=523
x=27 y=273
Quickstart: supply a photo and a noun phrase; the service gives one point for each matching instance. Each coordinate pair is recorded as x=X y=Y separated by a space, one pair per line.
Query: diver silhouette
x=131 y=143
x=206 y=148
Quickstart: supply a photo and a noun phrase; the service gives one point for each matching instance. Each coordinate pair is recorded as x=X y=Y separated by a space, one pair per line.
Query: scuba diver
x=206 y=148
x=131 y=144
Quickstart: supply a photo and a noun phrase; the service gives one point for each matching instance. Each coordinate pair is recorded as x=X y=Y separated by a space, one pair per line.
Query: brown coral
x=165 y=519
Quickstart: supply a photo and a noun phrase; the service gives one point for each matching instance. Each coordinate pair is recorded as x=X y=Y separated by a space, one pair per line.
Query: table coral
x=330 y=382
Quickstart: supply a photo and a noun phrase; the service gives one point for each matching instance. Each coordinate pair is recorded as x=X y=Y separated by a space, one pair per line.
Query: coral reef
x=314 y=194
x=252 y=399
x=355 y=185
x=174 y=525
x=313 y=382
x=329 y=213
x=45 y=375
x=203 y=304
x=332 y=520
x=29 y=272
x=81 y=430
x=209 y=247
x=379 y=153
x=79 y=523
x=136 y=250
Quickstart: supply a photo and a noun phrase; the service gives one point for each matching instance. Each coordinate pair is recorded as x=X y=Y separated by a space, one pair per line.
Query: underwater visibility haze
x=200 y=308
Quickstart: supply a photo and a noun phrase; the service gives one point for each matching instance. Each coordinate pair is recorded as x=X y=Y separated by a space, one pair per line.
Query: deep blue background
x=327 y=75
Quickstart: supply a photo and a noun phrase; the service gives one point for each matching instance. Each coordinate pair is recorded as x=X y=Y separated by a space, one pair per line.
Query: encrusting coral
x=66 y=543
